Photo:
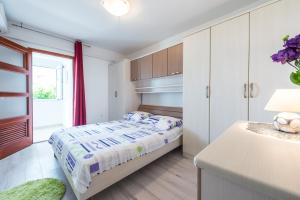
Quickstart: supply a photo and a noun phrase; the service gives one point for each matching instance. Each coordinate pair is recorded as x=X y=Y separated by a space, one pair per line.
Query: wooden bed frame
x=107 y=178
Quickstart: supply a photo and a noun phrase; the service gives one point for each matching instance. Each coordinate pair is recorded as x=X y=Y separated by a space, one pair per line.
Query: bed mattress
x=87 y=151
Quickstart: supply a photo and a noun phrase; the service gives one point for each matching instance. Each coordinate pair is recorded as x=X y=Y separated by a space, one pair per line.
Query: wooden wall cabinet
x=145 y=65
x=160 y=63
x=166 y=62
x=175 y=60
x=134 y=70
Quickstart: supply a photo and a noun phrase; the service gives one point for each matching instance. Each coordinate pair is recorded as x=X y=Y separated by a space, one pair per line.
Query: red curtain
x=79 y=110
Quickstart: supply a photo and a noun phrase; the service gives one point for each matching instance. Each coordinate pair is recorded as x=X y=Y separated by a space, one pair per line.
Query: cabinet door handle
x=174 y=73
x=251 y=90
x=207 y=92
x=245 y=91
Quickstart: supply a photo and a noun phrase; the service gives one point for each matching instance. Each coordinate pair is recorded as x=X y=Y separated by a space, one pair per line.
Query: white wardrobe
x=196 y=72
x=228 y=72
x=268 y=26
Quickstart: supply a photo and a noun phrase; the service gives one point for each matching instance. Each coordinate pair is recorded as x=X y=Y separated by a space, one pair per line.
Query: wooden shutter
x=15 y=97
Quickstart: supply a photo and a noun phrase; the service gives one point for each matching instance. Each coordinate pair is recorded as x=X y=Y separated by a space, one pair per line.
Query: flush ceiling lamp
x=116 y=7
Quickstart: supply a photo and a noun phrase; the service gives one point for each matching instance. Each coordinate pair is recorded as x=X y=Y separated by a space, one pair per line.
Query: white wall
x=119 y=81
x=163 y=99
x=96 y=89
x=47 y=113
x=45 y=42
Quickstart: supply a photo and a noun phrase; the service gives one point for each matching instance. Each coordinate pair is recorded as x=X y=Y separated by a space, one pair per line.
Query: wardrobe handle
x=245 y=91
x=207 y=92
x=251 y=90
x=174 y=73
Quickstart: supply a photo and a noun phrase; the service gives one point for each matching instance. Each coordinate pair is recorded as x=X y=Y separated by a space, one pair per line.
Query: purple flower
x=290 y=55
x=286 y=55
x=293 y=42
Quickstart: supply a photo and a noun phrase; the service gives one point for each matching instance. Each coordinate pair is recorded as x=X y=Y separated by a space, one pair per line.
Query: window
x=47 y=83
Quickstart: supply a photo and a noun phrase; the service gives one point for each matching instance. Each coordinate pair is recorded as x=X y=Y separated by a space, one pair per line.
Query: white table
x=242 y=165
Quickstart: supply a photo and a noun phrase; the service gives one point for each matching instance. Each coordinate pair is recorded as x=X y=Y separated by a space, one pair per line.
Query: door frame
x=54 y=54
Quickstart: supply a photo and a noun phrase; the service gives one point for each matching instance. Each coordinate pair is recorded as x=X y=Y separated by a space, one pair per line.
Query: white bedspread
x=89 y=150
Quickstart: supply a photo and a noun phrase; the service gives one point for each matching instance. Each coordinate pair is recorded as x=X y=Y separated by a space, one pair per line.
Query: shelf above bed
x=161 y=85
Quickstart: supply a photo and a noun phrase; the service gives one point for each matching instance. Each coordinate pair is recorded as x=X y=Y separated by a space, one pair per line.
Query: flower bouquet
x=290 y=55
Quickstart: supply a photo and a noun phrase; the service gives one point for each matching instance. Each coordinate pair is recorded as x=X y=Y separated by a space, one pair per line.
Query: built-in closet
x=228 y=72
x=196 y=71
x=268 y=25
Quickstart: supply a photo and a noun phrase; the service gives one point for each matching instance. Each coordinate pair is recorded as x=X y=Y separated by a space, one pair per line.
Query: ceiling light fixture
x=116 y=7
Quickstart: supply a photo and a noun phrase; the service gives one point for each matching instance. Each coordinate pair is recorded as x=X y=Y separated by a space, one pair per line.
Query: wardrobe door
x=115 y=92
x=196 y=63
x=268 y=26
x=145 y=65
x=175 y=57
x=134 y=70
x=229 y=74
x=160 y=64
x=133 y=65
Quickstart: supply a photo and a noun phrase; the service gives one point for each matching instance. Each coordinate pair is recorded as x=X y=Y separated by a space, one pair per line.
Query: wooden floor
x=170 y=177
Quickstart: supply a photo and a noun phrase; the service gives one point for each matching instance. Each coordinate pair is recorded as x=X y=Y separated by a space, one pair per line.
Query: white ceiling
x=148 y=22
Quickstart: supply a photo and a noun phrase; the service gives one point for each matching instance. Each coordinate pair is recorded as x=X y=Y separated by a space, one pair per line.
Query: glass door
x=15 y=97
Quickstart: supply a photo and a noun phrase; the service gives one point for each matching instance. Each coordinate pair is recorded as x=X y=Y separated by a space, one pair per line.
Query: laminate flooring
x=171 y=177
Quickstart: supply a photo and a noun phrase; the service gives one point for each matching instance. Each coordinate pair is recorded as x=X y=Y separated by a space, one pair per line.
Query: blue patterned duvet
x=86 y=151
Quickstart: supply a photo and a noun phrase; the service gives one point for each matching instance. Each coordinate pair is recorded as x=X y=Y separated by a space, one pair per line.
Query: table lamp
x=286 y=101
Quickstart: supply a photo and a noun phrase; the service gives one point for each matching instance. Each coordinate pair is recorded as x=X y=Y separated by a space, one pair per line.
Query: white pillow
x=127 y=116
x=136 y=116
x=151 y=120
x=164 y=122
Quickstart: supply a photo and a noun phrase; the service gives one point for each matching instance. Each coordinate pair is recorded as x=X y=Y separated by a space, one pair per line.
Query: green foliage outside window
x=42 y=93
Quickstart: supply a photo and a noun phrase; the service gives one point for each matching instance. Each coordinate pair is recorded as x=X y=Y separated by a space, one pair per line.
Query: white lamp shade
x=116 y=7
x=284 y=100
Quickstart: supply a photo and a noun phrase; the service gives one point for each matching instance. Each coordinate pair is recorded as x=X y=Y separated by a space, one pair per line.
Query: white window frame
x=59 y=97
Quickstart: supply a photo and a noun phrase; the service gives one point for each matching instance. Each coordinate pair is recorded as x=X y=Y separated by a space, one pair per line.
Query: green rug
x=43 y=189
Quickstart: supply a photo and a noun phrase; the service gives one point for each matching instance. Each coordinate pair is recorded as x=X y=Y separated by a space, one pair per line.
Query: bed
x=94 y=172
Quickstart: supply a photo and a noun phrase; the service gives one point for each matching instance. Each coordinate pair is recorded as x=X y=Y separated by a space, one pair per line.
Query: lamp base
x=287 y=122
